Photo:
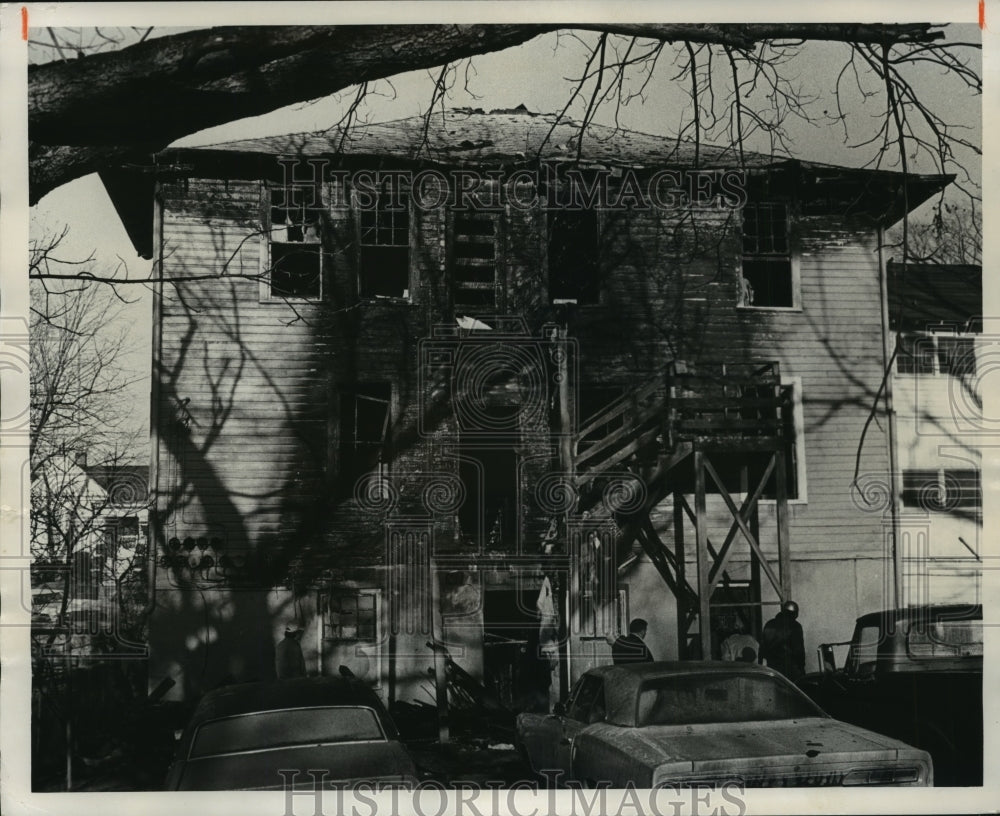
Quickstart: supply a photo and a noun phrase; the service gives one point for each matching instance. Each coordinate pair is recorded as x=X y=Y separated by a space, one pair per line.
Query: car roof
x=664 y=668
x=972 y=612
x=623 y=682
x=300 y=692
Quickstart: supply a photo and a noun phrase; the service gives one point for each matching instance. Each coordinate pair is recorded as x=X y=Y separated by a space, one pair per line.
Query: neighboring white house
x=935 y=313
x=100 y=514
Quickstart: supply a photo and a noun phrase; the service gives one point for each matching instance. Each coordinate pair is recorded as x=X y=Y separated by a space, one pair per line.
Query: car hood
x=258 y=770
x=794 y=740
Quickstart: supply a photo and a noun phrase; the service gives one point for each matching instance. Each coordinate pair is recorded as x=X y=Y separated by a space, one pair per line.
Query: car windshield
x=285 y=728
x=715 y=698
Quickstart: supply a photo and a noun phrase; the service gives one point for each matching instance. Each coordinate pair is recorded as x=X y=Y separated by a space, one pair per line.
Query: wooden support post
x=561 y=603
x=781 y=511
x=756 y=625
x=566 y=455
x=682 y=601
x=566 y=428
x=440 y=674
x=701 y=536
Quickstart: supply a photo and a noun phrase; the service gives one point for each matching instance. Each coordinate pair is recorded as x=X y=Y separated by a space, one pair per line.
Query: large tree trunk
x=118 y=107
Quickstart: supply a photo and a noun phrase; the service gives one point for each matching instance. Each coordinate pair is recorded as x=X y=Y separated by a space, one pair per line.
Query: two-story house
x=495 y=381
x=89 y=541
x=936 y=315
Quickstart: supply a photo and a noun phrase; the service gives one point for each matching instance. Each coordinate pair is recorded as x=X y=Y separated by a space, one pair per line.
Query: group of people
x=781 y=646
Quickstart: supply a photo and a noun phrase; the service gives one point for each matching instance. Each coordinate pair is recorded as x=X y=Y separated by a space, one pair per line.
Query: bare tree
x=954 y=235
x=111 y=108
x=78 y=425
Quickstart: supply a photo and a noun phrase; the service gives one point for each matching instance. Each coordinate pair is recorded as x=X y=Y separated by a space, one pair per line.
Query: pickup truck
x=915 y=674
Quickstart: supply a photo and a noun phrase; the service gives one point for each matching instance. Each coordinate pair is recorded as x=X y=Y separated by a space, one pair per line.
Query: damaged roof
x=467 y=137
x=473 y=136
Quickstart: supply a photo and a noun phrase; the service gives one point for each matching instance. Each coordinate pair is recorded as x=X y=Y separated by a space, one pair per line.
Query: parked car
x=915 y=674
x=240 y=736
x=692 y=722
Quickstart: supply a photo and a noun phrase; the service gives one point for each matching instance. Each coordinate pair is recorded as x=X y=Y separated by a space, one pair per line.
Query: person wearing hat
x=288 y=659
x=782 y=644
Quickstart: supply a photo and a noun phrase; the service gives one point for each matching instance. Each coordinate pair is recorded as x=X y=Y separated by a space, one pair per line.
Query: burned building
x=501 y=383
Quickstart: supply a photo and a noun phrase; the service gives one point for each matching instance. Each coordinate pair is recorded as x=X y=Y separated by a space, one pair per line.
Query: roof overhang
x=878 y=197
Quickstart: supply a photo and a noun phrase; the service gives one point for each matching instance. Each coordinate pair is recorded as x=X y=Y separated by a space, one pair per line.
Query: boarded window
x=474 y=262
x=364 y=429
x=573 y=253
x=767 y=264
x=296 y=249
x=384 y=263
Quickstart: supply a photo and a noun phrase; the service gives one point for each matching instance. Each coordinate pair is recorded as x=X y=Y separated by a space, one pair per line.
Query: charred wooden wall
x=248 y=389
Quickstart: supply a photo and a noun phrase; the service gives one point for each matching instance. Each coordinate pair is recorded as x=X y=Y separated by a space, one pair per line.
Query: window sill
x=793 y=309
x=801 y=502
x=387 y=299
x=279 y=300
x=937 y=375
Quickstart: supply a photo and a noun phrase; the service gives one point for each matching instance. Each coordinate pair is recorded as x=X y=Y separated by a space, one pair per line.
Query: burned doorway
x=489 y=514
x=513 y=667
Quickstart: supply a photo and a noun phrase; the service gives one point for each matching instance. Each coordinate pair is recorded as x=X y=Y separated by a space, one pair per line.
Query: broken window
x=384 y=262
x=364 y=429
x=474 y=262
x=295 y=228
x=573 y=253
x=351 y=615
x=766 y=278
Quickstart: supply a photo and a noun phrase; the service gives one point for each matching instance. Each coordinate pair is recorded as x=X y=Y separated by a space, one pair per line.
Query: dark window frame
x=294 y=221
x=942 y=490
x=956 y=356
x=933 y=354
x=384 y=243
x=476 y=287
x=583 y=243
x=357 y=457
x=768 y=276
x=343 y=609
x=796 y=474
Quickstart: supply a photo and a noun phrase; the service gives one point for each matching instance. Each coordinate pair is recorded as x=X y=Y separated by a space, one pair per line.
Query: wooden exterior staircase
x=673 y=433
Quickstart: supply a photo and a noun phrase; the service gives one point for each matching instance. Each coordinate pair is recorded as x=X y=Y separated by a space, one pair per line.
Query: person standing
x=740 y=646
x=288 y=659
x=782 y=644
x=631 y=648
